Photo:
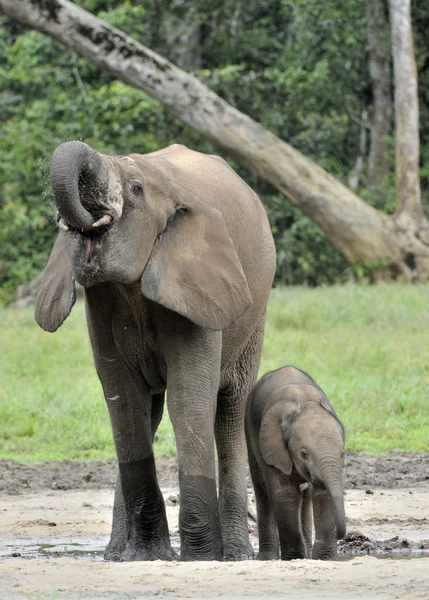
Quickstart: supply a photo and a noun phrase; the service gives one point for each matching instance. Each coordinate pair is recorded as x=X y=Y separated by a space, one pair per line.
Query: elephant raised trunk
x=79 y=177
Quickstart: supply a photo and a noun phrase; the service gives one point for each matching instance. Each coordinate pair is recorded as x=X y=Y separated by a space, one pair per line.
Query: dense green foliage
x=364 y=345
x=298 y=66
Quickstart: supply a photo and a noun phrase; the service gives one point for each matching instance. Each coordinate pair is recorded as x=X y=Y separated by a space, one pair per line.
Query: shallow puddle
x=93 y=549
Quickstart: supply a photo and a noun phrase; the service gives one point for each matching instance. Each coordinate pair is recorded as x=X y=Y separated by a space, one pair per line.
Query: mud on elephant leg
x=121 y=523
x=191 y=405
x=199 y=523
x=140 y=529
x=130 y=543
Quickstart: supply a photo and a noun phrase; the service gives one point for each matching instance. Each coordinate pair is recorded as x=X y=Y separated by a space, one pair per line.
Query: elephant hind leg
x=231 y=448
x=156 y=412
x=237 y=381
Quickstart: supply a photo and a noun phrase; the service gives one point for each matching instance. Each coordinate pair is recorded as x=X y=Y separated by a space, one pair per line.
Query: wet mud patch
x=55 y=522
x=357 y=544
x=393 y=470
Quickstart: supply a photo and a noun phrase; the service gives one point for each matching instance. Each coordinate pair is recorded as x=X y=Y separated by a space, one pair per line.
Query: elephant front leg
x=120 y=527
x=148 y=536
x=140 y=529
x=199 y=523
x=192 y=383
x=286 y=497
x=119 y=534
x=267 y=526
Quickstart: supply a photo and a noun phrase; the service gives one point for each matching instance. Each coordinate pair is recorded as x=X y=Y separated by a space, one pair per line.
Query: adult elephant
x=176 y=257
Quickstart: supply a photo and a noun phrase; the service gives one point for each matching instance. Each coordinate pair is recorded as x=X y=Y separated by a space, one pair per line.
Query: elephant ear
x=274 y=433
x=57 y=290
x=327 y=405
x=194 y=268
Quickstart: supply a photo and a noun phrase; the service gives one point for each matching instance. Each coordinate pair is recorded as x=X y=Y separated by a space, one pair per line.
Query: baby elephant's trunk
x=332 y=478
x=340 y=516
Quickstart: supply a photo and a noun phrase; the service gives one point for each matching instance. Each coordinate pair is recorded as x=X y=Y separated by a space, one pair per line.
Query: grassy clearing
x=366 y=346
x=51 y=402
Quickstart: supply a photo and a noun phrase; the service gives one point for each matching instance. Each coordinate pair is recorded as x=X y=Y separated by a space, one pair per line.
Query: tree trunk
x=379 y=69
x=356 y=172
x=360 y=232
x=409 y=212
x=406 y=111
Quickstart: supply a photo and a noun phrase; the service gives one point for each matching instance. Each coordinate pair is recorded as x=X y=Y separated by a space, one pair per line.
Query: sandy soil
x=55 y=521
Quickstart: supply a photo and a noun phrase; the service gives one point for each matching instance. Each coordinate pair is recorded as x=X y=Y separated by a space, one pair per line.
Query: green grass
x=366 y=346
x=368 y=349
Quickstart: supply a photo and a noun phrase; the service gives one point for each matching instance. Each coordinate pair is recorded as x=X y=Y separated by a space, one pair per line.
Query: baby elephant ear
x=272 y=438
x=326 y=404
x=57 y=290
x=194 y=268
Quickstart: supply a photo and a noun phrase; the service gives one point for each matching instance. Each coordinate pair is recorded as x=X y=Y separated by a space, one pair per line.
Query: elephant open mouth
x=100 y=226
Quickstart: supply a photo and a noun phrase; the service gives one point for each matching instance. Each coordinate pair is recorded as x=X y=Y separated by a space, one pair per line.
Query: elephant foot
x=114 y=550
x=323 y=551
x=268 y=555
x=133 y=553
x=236 y=552
x=294 y=556
x=112 y=555
x=191 y=554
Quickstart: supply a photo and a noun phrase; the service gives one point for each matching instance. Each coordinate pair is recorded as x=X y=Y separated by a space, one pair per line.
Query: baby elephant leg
x=285 y=495
x=267 y=527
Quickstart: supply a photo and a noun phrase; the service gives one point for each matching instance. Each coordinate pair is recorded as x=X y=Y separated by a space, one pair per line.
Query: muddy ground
x=55 y=521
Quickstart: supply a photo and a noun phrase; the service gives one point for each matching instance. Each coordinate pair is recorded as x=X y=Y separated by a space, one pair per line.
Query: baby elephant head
x=301 y=432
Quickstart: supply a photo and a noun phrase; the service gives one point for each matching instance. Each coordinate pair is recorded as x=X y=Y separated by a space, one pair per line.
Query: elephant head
x=301 y=431
x=137 y=220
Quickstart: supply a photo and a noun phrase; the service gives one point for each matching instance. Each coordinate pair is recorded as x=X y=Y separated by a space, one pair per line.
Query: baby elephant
x=296 y=444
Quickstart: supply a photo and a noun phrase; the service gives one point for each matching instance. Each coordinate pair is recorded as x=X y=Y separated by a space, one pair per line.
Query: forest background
x=301 y=68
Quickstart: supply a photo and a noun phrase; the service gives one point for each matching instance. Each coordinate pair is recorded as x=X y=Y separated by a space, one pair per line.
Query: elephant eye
x=136 y=187
x=304 y=454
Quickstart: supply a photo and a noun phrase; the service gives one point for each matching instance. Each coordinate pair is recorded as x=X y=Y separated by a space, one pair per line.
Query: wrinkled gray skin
x=296 y=444
x=176 y=287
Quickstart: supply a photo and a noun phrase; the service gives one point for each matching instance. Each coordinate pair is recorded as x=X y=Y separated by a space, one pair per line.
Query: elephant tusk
x=105 y=220
x=62 y=225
